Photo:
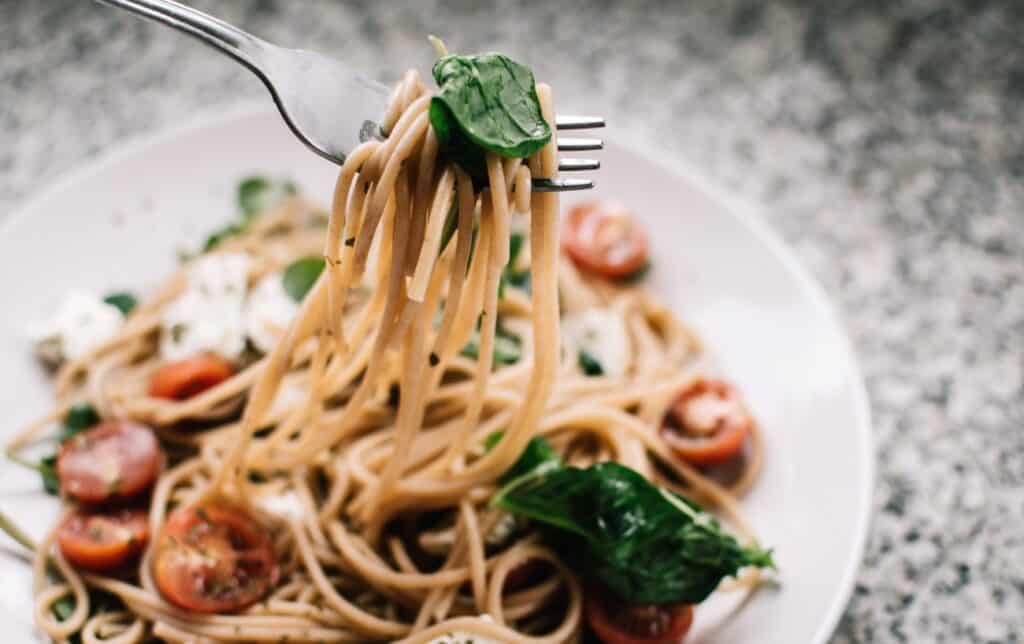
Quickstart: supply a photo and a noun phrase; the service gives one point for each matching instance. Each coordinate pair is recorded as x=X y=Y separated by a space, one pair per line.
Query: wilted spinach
x=645 y=544
x=300 y=276
x=486 y=103
x=123 y=300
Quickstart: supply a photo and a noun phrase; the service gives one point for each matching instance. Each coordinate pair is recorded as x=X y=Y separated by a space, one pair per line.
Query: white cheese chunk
x=268 y=312
x=602 y=334
x=209 y=316
x=82 y=323
x=461 y=637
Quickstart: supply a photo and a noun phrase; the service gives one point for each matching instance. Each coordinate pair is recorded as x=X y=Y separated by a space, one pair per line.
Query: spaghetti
x=389 y=534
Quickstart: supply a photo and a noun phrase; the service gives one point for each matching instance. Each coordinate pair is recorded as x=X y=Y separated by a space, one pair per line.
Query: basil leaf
x=48 y=470
x=486 y=102
x=257 y=194
x=216 y=237
x=79 y=418
x=589 y=364
x=644 y=544
x=636 y=276
x=538 y=454
x=123 y=300
x=507 y=347
x=300 y=276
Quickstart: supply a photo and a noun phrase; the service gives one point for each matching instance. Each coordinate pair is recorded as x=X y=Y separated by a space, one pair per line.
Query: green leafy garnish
x=636 y=276
x=79 y=418
x=486 y=102
x=510 y=275
x=257 y=194
x=508 y=348
x=646 y=545
x=216 y=237
x=589 y=364
x=538 y=454
x=300 y=276
x=123 y=300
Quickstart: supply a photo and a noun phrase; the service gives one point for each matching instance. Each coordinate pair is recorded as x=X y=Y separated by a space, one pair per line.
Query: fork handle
x=240 y=45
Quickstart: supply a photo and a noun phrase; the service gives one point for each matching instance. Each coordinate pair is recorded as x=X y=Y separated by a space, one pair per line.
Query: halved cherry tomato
x=102 y=542
x=213 y=559
x=113 y=461
x=185 y=378
x=711 y=423
x=615 y=622
x=604 y=238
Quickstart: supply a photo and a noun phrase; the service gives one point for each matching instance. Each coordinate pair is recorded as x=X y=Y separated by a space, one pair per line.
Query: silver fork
x=329 y=106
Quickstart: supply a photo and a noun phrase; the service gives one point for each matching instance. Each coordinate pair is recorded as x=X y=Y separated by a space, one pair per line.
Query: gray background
x=883 y=138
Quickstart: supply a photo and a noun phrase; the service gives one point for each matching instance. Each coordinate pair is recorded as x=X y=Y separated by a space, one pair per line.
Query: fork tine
x=577 y=122
x=575 y=165
x=561 y=185
x=574 y=144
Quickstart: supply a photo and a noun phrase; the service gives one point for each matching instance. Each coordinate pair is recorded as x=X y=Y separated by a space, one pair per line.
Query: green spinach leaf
x=257 y=194
x=538 y=454
x=227 y=231
x=508 y=347
x=644 y=544
x=79 y=418
x=589 y=364
x=123 y=300
x=486 y=102
x=300 y=276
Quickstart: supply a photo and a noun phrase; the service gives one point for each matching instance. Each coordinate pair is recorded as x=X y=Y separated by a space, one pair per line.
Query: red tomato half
x=214 y=559
x=711 y=423
x=185 y=378
x=604 y=238
x=113 y=461
x=617 y=623
x=101 y=542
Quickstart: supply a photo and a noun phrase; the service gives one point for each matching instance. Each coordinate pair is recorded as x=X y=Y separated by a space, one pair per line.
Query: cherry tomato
x=615 y=622
x=115 y=460
x=213 y=559
x=185 y=378
x=101 y=542
x=604 y=238
x=711 y=423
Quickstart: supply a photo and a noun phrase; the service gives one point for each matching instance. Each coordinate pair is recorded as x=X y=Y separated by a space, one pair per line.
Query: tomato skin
x=114 y=461
x=213 y=559
x=183 y=379
x=617 y=623
x=708 y=445
x=603 y=237
x=102 y=542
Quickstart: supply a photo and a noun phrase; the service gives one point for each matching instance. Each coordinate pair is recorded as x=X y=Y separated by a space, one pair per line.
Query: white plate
x=117 y=223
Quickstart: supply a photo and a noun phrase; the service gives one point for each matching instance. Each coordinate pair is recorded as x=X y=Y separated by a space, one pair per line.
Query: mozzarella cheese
x=209 y=316
x=83 y=322
x=461 y=637
x=603 y=335
x=268 y=312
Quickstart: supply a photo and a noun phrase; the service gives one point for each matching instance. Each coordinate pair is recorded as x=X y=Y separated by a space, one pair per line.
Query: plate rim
x=745 y=212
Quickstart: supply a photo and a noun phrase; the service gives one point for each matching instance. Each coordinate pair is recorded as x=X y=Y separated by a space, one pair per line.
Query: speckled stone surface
x=885 y=140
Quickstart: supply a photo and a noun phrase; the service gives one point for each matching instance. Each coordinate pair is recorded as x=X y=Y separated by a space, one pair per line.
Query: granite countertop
x=885 y=140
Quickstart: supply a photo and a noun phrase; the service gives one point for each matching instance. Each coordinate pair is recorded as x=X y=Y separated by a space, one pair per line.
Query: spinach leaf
x=507 y=347
x=257 y=194
x=227 y=231
x=301 y=275
x=538 y=454
x=486 y=102
x=644 y=544
x=589 y=364
x=48 y=471
x=123 y=300
x=510 y=275
x=636 y=276
x=79 y=418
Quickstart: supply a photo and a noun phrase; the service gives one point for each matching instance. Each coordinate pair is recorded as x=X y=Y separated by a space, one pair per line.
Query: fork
x=329 y=106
